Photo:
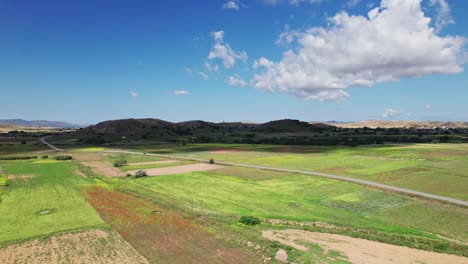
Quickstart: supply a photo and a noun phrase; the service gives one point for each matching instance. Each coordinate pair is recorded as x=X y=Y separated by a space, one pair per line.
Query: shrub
x=44 y=157
x=140 y=173
x=63 y=157
x=249 y=220
x=212 y=161
x=120 y=162
x=18 y=157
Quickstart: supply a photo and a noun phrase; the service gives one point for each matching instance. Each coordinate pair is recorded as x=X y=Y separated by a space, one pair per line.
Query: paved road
x=312 y=173
x=50 y=145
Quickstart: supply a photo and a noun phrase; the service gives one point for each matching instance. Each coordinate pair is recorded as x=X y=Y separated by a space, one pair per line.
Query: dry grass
x=358 y=250
x=93 y=246
x=161 y=235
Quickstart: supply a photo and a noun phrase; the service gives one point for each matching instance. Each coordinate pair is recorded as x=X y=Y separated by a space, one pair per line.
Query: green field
x=45 y=198
x=304 y=198
x=134 y=157
x=433 y=168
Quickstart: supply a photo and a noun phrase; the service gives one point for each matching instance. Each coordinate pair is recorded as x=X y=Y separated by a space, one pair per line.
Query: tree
x=120 y=162
x=140 y=173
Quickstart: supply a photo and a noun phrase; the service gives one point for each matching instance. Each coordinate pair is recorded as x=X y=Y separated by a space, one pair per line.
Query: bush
x=140 y=173
x=44 y=157
x=212 y=161
x=18 y=157
x=63 y=157
x=120 y=162
x=249 y=220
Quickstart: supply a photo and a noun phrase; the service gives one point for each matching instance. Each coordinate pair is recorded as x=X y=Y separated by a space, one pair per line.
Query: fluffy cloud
x=352 y=3
x=394 y=41
x=292 y=2
x=234 y=5
x=133 y=94
x=180 y=92
x=210 y=67
x=224 y=52
x=390 y=112
x=203 y=75
x=236 y=80
x=444 y=16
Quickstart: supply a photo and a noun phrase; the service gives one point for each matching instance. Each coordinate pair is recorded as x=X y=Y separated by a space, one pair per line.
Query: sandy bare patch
x=282 y=256
x=226 y=151
x=21 y=176
x=152 y=162
x=93 y=246
x=98 y=164
x=360 y=250
x=179 y=169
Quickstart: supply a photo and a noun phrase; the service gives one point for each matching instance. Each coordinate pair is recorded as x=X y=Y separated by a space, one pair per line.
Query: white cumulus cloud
x=133 y=94
x=394 y=41
x=203 y=75
x=444 y=14
x=390 y=112
x=180 y=92
x=224 y=52
x=234 y=5
x=236 y=80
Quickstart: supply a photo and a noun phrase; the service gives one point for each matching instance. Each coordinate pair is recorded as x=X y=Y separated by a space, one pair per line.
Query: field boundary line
x=311 y=173
x=50 y=145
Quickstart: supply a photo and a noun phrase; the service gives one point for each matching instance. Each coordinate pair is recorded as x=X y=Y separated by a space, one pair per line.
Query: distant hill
x=401 y=124
x=38 y=123
x=290 y=126
x=281 y=132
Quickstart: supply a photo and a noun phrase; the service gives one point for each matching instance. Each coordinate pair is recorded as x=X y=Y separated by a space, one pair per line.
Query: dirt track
x=360 y=250
x=179 y=169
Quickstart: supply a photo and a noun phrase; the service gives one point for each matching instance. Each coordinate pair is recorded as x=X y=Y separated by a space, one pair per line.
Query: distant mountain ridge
x=400 y=124
x=38 y=123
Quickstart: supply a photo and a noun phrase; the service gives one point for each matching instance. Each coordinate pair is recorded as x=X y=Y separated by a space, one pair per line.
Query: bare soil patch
x=98 y=164
x=226 y=151
x=21 y=176
x=360 y=250
x=160 y=234
x=179 y=169
x=93 y=246
x=152 y=162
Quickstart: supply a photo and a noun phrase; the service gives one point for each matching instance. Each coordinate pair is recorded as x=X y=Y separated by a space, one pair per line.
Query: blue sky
x=89 y=61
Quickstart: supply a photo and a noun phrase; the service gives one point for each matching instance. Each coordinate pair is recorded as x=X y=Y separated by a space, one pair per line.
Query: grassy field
x=44 y=198
x=195 y=215
x=433 y=168
x=304 y=198
x=133 y=157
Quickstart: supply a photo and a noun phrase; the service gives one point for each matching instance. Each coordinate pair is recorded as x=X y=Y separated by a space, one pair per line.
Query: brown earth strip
x=178 y=169
x=21 y=176
x=162 y=235
x=98 y=164
x=93 y=246
x=359 y=250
